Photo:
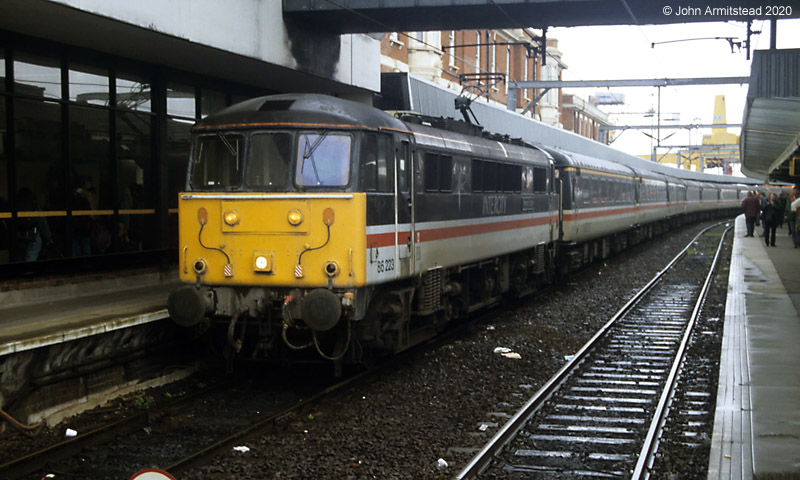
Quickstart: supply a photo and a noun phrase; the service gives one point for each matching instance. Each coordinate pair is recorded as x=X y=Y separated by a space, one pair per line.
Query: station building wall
x=94 y=126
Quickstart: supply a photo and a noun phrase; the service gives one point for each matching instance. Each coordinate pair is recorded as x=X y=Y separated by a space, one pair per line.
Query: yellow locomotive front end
x=253 y=250
x=272 y=229
x=272 y=239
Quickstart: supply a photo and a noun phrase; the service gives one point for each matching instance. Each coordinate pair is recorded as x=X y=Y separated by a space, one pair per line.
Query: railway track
x=602 y=414
x=155 y=438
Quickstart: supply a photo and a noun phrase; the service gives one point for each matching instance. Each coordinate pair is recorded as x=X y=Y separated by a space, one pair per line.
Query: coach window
x=539 y=180
x=511 y=178
x=527 y=180
x=431 y=172
x=477 y=175
x=490 y=176
x=268 y=160
x=445 y=173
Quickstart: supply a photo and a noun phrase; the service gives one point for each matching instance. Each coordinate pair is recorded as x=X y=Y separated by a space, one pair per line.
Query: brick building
x=484 y=62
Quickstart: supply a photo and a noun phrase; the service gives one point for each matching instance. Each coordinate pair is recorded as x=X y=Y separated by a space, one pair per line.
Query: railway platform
x=35 y=318
x=757 y=419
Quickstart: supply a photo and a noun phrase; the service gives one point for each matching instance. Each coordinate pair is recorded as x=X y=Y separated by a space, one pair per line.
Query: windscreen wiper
x=308 y=153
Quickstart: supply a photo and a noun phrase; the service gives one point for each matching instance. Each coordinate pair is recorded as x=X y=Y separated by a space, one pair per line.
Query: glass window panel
x=212 y=102
x=403 y=166
x=133 y=93
x=3 y=151
x=134 y=180
x=385 y=166
x=180 y=100
x=5 y=223
x=89 y=85
x=268 y=160
x=477 y=176
x=2 y=71
x=34 y=237
x=39 y=162
x=178 y=146
x=90 y=155
x=431 y=168
x=369 y=169
x=445 y=173
x=323 y=160
x=37 y=76
x=217 y=162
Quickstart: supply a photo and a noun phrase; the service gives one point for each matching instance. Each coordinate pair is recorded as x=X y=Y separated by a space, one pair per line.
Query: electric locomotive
x=312 y=223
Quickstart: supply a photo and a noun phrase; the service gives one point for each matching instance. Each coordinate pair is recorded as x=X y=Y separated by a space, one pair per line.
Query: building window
x=37 y=77
x=88 y=178
x=133 y=93
x=89 y=86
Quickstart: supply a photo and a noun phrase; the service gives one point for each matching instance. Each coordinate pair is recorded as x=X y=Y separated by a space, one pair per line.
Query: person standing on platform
x=751 y=208
x=769 y=217
x=762 y=198
x=790 y=216
x=780 y=204
x=795 y=207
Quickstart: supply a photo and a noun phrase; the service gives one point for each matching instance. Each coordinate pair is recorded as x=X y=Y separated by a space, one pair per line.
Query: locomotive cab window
x=323 y=159
x=268 y=159
x=217 y=162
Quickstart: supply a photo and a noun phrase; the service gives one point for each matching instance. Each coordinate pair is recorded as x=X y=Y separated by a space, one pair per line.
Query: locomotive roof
x=476 y=147
x=300 y=110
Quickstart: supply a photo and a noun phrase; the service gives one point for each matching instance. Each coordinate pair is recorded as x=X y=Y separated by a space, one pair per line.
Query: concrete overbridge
x=363 y=16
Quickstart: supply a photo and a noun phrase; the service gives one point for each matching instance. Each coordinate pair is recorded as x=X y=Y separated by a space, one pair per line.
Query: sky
x=625 y=52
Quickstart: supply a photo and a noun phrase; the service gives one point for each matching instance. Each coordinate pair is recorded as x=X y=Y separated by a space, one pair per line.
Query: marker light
x=261 y=263
x=231 y=217
x=295 y=217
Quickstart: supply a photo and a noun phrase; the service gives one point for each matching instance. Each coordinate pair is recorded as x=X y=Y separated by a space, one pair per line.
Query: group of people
x=770 y=211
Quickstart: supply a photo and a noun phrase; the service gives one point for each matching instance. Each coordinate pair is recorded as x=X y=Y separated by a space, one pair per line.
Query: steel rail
x=659 y=417
x=509 y=430
x=36 y=461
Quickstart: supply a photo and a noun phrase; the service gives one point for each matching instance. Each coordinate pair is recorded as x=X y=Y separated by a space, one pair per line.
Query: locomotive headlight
x=263 y=261
x=295 y=217
x=231 y=217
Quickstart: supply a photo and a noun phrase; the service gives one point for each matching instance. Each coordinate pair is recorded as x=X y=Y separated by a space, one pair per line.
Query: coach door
x=404 y=208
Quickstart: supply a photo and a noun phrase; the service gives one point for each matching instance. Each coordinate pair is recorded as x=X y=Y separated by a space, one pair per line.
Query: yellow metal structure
x=718 y=136
x=257 y=240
